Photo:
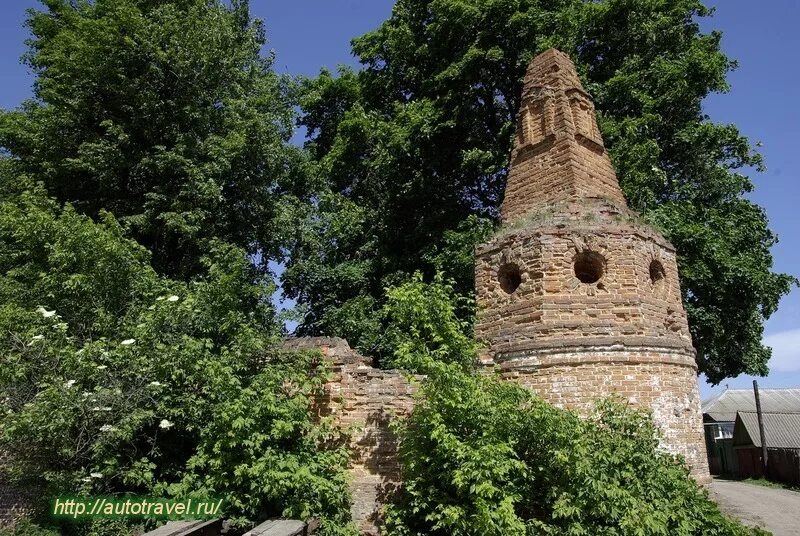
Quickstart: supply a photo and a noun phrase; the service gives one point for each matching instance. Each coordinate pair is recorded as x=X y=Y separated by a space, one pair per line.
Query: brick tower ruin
x=577 y=299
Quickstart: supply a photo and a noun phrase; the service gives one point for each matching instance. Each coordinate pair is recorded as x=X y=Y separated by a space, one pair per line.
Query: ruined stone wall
x=365 y=399
x=576 y=334
x=636 y=293
x=644 y=377
x=368 y=399
x=576 y=297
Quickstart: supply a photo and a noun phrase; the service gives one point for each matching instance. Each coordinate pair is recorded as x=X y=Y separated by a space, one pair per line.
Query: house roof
x=781 y=430
x=724 y=406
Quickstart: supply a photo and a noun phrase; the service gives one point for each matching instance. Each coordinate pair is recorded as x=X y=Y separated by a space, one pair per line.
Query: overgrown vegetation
x=115 y=379
x=423 y=327
x=140 y=192
x=483 y=456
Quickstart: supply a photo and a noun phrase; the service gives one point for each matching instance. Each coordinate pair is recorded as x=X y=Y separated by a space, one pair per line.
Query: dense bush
x=140 y=191
x=483 y=456
x=114 y=379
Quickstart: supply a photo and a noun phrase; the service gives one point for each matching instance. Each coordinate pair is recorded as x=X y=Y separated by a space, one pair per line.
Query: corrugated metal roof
x=724 y=406
x=781 y=430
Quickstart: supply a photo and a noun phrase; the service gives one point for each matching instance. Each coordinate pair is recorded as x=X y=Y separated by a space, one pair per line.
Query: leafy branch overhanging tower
x=578 y=299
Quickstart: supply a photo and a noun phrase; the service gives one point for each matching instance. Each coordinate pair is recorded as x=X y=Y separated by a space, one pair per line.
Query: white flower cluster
x=45 y=313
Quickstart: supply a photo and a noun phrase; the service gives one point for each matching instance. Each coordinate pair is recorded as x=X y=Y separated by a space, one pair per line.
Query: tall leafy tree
x=415 y=149
x=139 y=336
x=163 y=113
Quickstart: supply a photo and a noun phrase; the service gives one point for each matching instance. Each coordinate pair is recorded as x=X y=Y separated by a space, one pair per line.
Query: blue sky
x=309 y=34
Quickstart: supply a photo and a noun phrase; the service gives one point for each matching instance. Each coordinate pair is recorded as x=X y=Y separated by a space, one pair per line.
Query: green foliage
x=116 y=380
x=415 y=149
x=423 y=329
x=25 y=527
x=97 y=527
x=262 y=453
x=483 y=456
x=86 y=271
x=164 y=114
x=137 y=322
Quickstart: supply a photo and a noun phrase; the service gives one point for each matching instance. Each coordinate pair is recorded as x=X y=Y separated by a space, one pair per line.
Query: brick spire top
x=558 y=154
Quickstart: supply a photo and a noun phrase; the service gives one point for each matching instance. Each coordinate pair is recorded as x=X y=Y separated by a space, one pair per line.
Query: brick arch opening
x=510 y=277
x=657 y=272
x=589 y=267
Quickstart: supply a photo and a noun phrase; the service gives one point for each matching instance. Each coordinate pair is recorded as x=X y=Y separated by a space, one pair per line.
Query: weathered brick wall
x=576 y=298
x=558 y=153
x=366 y=399
x=552 y=304
x=643 y=377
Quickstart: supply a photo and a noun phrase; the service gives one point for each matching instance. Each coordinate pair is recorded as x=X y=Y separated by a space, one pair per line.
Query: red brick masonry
x=577 y=298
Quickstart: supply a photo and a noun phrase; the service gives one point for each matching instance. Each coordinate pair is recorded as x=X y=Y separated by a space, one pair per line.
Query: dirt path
x=772 y=509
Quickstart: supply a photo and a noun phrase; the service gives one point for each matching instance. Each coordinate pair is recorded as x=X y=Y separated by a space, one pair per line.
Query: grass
x=769 y=484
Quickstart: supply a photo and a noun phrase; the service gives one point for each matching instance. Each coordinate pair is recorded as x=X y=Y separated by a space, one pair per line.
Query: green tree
x=415 y=147
x=163 y=113
x=421 y=327
x=140 y=341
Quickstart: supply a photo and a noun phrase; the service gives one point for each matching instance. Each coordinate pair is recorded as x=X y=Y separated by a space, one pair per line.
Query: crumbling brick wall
x=573 y=342
x=365 y=399
x=15 y=501
x=640 y=377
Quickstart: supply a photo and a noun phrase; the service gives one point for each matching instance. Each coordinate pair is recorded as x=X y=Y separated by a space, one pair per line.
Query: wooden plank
x=205 y=528
x=286 y=527
x=259 y=529
x=278 y=527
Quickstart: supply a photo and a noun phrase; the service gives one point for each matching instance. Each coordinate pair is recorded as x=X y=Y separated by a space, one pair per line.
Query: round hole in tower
x=589 y=266
x=657 y=273
x=509 y=277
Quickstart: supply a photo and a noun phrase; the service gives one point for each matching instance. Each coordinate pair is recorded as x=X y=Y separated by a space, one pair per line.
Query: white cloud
x=785 y=350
